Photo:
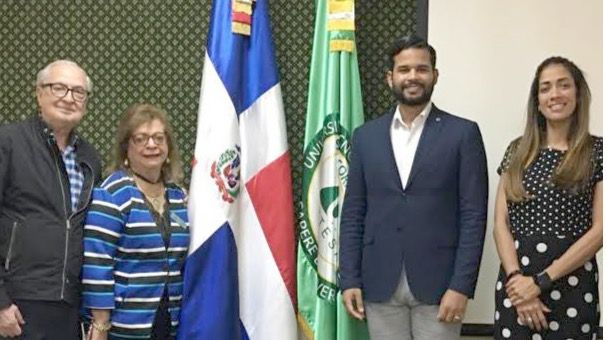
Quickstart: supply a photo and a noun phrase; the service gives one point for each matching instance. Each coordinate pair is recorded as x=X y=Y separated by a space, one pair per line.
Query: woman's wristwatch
x=543 y=281
x=101 y=327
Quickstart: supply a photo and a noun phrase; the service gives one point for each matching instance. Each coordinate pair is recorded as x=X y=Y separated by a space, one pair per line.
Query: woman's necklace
x=145 y=179
x=157 y=202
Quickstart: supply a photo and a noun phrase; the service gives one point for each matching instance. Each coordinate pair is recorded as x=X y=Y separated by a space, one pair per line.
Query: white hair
x=44 y=73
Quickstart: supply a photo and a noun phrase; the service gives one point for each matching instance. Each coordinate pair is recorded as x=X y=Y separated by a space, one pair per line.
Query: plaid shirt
x=74 y=173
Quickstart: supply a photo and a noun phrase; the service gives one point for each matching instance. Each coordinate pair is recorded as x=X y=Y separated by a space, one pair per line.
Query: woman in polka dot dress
x=548 y=214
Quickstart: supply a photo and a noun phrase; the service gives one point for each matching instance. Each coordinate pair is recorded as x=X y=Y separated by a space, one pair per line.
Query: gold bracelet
x=101 y=327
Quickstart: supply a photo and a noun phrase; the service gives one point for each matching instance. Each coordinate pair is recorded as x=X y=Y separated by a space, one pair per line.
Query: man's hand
x=352 y=299
x=532 y=314
x=10 y=321
x=521 y=289
x=452 y=306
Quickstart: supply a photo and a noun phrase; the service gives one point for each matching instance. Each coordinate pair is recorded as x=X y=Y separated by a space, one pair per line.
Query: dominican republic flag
x=240 y=272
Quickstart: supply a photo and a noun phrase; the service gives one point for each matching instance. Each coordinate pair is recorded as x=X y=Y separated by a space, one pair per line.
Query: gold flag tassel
x=341 y=17
x=241 y=16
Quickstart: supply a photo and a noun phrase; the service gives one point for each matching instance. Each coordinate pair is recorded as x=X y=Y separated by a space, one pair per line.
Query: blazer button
x=399 y=228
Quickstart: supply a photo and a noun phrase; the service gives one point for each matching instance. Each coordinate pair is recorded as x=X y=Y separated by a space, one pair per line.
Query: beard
x=422 y=99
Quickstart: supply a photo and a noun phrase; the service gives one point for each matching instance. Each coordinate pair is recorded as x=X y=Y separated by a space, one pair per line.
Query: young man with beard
x=414 y=215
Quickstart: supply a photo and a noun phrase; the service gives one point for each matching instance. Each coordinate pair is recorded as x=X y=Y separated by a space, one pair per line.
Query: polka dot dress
x=543 y=228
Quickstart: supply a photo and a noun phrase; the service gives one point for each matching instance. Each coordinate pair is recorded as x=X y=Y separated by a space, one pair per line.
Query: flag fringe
x=305 y=327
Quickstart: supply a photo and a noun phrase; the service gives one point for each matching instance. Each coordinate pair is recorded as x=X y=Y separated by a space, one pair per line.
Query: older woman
x=548 y=214
x=136 y=234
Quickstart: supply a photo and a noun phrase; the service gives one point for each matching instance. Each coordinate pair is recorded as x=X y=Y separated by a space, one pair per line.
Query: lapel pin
x=438 y=119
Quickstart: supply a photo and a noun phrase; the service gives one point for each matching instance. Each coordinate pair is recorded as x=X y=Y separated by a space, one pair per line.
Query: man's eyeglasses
x=59 y=90
x=141 y=139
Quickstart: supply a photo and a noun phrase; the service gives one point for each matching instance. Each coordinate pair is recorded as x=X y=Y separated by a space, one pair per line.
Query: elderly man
x=47 y=173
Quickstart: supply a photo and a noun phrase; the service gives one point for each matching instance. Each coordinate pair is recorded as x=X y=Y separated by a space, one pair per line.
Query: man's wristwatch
x=543 y=281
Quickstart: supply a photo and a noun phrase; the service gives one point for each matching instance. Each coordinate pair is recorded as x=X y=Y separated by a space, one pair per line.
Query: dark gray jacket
x=40 y=237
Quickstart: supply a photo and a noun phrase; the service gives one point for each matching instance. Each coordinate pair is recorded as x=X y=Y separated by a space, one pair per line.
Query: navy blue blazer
x=435 y=225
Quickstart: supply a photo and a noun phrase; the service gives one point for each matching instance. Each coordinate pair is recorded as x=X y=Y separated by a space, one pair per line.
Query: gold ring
x=529 y=320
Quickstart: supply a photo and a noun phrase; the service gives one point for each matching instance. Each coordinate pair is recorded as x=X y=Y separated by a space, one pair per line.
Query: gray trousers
x=403 y=317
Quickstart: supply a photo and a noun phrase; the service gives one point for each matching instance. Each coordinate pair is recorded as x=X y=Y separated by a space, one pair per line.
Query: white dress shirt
x=405 y=139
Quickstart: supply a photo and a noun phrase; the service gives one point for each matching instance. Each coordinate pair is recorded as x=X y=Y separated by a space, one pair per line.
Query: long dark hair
x=576 y=167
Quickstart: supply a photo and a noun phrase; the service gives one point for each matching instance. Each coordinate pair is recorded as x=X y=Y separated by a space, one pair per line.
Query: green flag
x=334 y=110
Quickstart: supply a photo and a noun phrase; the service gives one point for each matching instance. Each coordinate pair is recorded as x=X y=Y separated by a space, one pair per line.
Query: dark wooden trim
x=422 y=13
x=485 y=329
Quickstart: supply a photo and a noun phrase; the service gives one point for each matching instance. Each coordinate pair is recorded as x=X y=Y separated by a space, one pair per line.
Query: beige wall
x=487 y=52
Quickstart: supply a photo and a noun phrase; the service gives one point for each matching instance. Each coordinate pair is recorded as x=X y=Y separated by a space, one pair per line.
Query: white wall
x=487 y=53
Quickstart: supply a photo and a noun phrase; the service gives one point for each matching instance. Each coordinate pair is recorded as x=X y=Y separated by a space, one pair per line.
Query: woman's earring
x=167 y=160
x=126 y=162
